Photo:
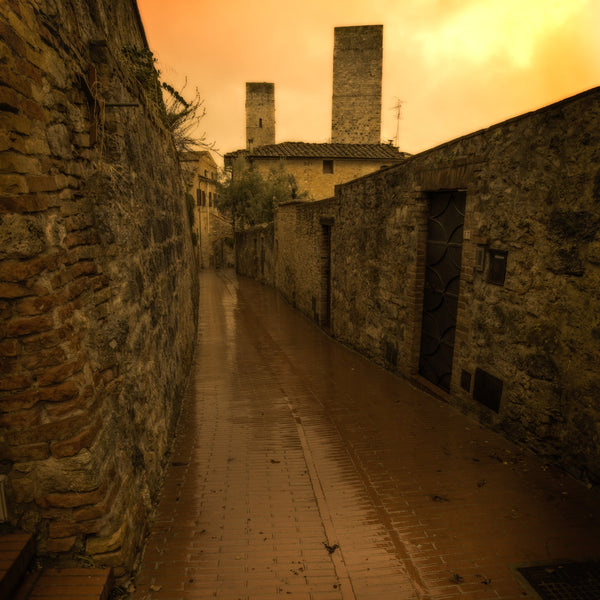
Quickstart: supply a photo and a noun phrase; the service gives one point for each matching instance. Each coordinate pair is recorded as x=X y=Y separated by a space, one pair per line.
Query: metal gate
x=442 y=278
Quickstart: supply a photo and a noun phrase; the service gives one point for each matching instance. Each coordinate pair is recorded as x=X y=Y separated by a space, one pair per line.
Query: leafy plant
x=250 y=198
x=180 y=116
x=142 y=64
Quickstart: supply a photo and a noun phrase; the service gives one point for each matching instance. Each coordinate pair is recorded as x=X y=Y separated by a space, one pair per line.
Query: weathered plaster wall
x=311 y=179
x=533 y=190
x=98 y=282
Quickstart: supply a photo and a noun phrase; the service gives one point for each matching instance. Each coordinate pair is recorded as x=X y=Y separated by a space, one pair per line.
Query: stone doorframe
x=456 y=177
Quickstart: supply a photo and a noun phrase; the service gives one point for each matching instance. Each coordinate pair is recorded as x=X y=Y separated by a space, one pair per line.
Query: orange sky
x=456 y=65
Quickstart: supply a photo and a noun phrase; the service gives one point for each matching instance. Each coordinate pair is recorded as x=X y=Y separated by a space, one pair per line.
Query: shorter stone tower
x=260 y=114
x=357 y=71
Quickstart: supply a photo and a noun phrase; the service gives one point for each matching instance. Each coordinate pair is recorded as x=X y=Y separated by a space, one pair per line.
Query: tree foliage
x=250 y=198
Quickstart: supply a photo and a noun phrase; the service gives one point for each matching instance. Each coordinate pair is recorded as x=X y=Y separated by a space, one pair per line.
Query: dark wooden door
x=326 y=275
x=442 y=279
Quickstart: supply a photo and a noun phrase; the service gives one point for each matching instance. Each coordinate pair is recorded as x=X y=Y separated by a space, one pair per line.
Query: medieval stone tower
x=260 y=114
x=357 y=70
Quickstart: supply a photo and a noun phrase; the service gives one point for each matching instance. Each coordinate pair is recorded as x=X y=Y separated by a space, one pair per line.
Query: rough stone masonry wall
x=298 y=253
x=532 y=189
x=254 y=253
x=357 y=74
x=260 y=114
x=98 y=281
x=216 y=239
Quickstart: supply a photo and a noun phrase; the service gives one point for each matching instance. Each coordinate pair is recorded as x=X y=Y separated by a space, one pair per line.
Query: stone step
x=19 y=582
x=72 y=584
x=16 y=553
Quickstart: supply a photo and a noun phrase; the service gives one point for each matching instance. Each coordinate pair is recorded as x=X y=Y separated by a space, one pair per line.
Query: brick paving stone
x=289 y=442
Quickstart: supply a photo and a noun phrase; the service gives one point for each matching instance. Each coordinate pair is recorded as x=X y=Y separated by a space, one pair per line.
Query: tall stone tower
x=357 y=69
x=260 y=114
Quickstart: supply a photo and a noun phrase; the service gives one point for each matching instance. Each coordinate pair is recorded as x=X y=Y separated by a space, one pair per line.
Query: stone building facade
x=213 y=232
x=200 y=173
x=260 y=114
x=471 y=269
x=98 y=278
x=357 y=76
x=355 y=147
x=317 y=168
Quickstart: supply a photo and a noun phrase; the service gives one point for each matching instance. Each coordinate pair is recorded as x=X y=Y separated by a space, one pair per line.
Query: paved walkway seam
x=337 y=553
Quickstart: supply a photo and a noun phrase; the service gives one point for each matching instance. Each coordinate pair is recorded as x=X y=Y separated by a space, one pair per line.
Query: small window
x=327 y=166
x=198 y=197
x=260 y=123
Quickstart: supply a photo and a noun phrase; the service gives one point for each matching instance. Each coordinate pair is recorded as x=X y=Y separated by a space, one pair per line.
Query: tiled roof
x=308 y=150
x=195 y=156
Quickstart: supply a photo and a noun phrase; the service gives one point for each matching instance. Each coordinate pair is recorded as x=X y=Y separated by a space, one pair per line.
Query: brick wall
x=97 y=280
x=532 y=187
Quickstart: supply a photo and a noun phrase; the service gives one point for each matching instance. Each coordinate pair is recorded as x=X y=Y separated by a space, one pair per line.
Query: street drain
x=569 y=581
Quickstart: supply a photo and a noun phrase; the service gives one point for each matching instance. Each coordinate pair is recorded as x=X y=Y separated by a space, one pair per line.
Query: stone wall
x=254 y=253
x=218 y=237
x=532 y=189
x=299 y=268
x=98 y=283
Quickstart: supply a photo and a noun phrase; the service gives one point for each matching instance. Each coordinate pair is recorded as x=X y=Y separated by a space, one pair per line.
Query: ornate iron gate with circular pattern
x=442 y=279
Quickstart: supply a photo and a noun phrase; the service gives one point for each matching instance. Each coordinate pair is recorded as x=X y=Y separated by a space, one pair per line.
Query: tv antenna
x=398 y=108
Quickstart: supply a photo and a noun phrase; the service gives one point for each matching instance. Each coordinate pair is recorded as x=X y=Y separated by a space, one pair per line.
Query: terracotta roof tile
x=310 y=150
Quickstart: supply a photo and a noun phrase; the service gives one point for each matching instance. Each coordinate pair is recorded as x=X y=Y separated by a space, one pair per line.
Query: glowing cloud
x=457 y=65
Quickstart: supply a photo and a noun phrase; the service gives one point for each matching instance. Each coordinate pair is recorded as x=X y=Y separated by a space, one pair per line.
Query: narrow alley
x=300 y=470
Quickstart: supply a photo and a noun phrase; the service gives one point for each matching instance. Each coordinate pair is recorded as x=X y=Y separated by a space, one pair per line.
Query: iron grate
x=569 y=581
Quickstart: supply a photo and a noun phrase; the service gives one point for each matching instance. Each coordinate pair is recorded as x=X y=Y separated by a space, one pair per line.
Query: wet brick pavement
x=300 y=470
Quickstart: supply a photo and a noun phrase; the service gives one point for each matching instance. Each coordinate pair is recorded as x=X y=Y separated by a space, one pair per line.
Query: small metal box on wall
x=497 y=269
